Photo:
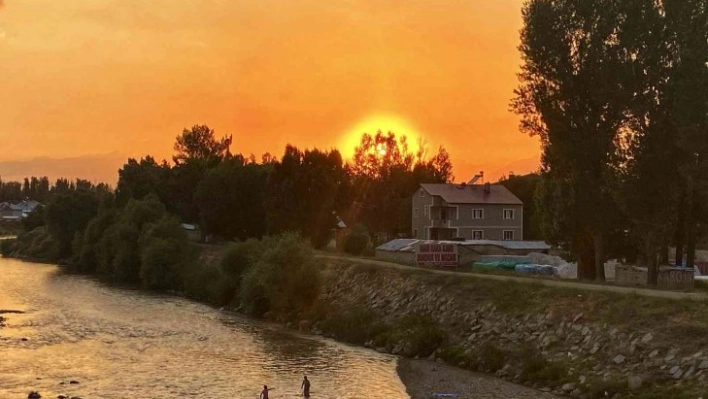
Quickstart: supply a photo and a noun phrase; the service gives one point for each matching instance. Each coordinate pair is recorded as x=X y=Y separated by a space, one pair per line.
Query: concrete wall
x=669 y=278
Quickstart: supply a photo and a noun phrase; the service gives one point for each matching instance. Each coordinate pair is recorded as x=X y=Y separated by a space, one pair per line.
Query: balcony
x=438 y=223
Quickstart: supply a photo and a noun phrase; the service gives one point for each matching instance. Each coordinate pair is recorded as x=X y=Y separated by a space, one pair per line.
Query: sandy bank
x=422 y=378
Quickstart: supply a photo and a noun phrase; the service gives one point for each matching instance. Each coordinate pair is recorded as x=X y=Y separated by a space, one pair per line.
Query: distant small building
x=466 y=211
x=193 y=232
x=22 y=209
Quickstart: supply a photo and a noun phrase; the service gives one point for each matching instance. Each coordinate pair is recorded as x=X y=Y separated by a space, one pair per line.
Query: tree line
x=617 y=91
x=233 y=197
x=236 y=197
x=42 y=190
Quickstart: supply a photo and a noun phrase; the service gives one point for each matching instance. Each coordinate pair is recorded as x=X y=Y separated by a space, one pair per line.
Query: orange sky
x=88 y=77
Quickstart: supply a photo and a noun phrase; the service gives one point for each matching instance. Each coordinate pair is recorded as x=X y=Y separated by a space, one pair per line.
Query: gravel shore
x=422 y=378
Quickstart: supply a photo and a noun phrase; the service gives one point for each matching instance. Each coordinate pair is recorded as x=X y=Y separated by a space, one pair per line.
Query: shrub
x=357 y=240
x=418 y=335
x=87 y=254
x=535 y=368
x=165 y=254
x=8 y=247
x=35 y=219
x=489 y=357
x=69 y=213
x=209 y=285
x=239 y=257
x=354 y=326
x=284 y=279
x=37 y=245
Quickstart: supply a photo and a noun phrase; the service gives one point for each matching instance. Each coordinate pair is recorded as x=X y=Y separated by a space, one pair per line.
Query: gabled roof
x=472 y=194
x=25 y=206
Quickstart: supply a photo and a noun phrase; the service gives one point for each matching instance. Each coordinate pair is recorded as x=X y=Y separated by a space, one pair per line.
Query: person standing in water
x=305 y=387
x=264 y=393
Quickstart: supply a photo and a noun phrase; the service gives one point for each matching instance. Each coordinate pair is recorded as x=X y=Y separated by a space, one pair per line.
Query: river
x=121 y=343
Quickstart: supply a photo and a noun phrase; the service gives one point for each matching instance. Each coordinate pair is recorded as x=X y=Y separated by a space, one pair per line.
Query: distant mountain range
x=96 y=168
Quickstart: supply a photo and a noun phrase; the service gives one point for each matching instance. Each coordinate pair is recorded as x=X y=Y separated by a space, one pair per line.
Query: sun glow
x=386 y=123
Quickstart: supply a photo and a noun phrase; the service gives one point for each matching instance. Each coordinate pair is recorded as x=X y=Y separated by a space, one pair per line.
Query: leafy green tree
x=119 y=249
x=573 y=96
x=137 y=179
x=231 y=199
x=87 y=258
x=385 y=174
x=525 y=187
x=687 y=28
x=197 y=150
x=35 y=219
x=68 y=214
x=200 y=144
x=165 y=255
x=284 y=280
x=356 y=241
x=305 y=192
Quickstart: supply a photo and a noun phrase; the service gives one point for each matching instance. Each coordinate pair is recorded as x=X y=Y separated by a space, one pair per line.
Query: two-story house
x=470 y=211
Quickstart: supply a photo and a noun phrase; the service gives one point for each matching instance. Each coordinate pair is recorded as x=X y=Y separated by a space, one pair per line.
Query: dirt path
x=527 y=280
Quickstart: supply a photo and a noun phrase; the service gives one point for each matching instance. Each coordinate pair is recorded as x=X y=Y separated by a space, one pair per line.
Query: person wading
x=305 y=387
x=264 y=392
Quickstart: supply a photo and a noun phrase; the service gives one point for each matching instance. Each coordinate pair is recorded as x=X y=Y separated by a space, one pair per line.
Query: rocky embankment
x=562 y=341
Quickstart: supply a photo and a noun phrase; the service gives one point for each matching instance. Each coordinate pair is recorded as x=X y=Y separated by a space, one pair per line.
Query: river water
x=120 y=343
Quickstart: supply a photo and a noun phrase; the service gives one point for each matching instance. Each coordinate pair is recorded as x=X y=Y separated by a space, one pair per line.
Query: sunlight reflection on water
x=122 y=343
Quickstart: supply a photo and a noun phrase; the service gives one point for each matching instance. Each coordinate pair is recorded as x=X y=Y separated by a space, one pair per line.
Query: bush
x=239 y=257
x=354 y=326
x=209 y=285
x=37 y=245
x=418 y=336
x=284 y=279
x=8 y=247
x=35 y=219
x=535 y=368
x=86 y=256
x=165 y=254
x=357 y=240
x=489 y=357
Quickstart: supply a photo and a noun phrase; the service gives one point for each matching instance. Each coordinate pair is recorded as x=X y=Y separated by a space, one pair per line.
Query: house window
x=443 y=215
x=508 y=214
x=477 y=234
x=426 y=210
x=415 y=233
x=422 y=193
x=508 y=235
x=477 y=213
x=415 y=212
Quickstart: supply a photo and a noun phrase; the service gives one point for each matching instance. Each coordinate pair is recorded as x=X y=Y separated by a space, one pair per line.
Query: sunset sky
x=108 y=79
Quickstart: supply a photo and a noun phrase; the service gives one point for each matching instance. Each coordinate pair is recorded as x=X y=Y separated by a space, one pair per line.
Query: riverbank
x=563 y=340
x=422 y=378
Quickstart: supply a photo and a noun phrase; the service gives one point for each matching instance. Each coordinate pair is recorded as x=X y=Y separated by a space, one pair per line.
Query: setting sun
x=384 y=123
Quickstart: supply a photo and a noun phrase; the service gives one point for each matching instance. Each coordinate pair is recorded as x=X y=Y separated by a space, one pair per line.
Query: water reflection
x=123 y=343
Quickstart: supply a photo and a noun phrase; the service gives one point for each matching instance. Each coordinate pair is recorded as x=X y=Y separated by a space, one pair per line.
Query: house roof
x=25 y=206
x=472 y=194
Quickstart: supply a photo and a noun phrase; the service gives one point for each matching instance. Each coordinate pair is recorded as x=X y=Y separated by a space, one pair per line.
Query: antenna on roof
x=476 y=177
